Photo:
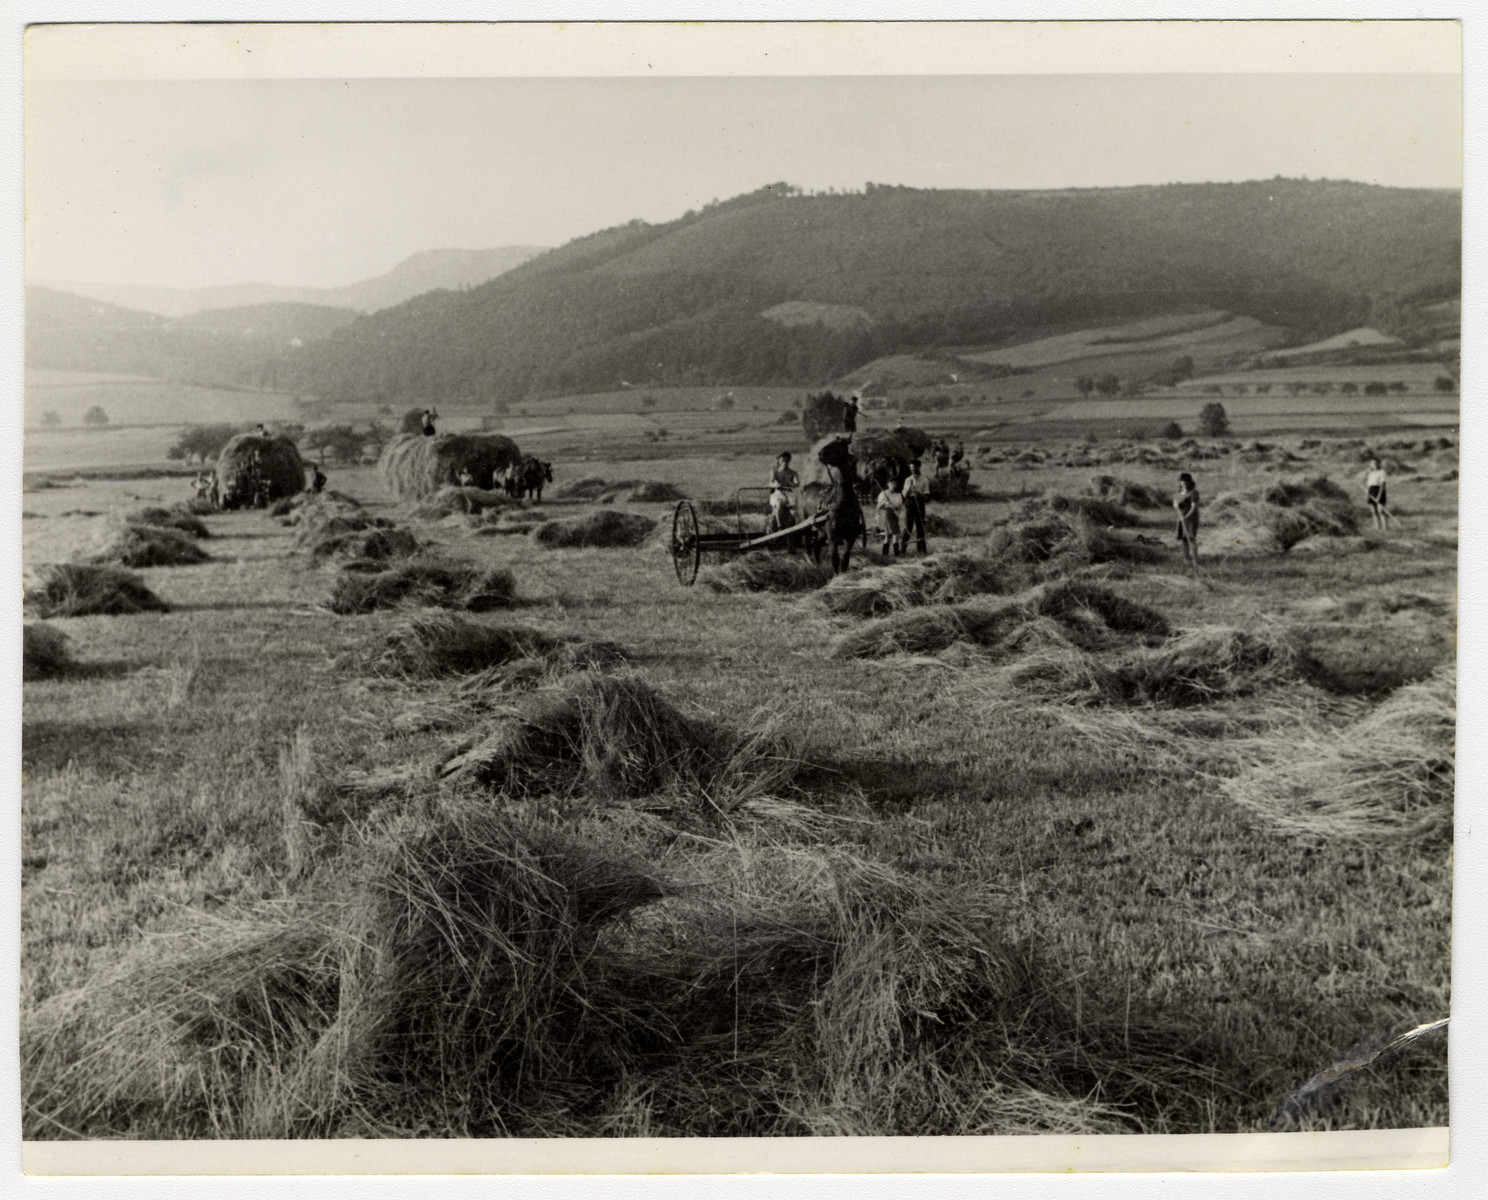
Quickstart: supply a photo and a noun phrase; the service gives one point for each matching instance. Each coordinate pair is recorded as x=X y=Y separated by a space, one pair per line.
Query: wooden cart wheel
x=687 y=548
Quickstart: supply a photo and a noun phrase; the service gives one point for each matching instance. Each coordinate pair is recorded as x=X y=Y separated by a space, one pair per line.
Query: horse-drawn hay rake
x=690 y=543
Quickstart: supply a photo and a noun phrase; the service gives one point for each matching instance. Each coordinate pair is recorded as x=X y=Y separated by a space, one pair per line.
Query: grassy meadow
x=620 y=858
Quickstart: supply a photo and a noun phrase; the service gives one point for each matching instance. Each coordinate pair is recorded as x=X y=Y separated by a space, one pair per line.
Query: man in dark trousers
x=317 y=479
x=427 y=424
x=914 y=490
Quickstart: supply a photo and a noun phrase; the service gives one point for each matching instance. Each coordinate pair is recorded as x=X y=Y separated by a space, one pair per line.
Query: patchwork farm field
x=1044 y=833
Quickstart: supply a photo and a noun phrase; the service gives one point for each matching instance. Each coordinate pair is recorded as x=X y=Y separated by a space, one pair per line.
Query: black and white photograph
x=623 y=586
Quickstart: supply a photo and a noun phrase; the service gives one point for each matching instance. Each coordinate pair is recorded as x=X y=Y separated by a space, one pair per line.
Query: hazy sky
x=324 y=182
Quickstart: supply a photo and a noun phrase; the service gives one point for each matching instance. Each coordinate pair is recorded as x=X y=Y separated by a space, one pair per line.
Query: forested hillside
x=682 y=302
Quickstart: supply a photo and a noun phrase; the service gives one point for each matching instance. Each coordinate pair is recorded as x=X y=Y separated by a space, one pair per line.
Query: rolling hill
x=683 y=302
x=780 y=288
x=423 y=272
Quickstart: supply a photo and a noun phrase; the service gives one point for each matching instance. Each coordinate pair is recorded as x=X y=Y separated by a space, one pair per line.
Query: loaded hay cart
x=690 y=543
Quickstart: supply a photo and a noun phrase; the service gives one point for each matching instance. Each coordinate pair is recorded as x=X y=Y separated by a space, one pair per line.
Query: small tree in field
x=1085 y=384
x=50 y=419
x=95 y=417
x=1171 y=431
x=1444 y=383
x=1108 y=385
x=1214 y=421
x=201 y=442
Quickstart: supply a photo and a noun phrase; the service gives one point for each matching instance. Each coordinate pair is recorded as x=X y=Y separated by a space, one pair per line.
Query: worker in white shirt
x=890 y=505
x=915 y=491
x=783 y=484
x=1376 y=489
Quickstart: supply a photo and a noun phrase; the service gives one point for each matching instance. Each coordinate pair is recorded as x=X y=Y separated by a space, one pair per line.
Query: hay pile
x=590 y=487
x=1272 y=520
x=452 y=501
x=615 y=737
x=1388 y=777
x=766 y=572
x=1063 y=612
x=1198 y=667
x=82 y=589
x=353 y=535
x=150 y=546
x=414 y=466
x=1090 y=508
x=253 y=469
x=605 y=528
x=904 y=444
x=177 y=518
x=425 y=580
x=656 y=491
x=927 y=630
x=939 y=579
x=476 y=978
x=1058 y=543
x=1129 y=494
x=308 y=506
x=44 y=653
x=437 y=643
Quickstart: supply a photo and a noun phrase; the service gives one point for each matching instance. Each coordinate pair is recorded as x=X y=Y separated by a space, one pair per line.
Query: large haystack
x=82 y=589
x=254 y=470
x=414 y=466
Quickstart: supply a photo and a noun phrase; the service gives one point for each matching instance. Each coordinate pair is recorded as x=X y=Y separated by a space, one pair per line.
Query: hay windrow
x=1278 y=517
x=414 y=466
x=426 y=580
x=177 y=518
x=83 y=589
x=253 y=469
x=766 y=572
x=1130 y=494
x=150 y=546
x=929 y=629
x=616 y=737
x=440 y=643
x=1387 y=777
x=44 y=652
x=1197 y=667
x=450 y=501
x=470 y=976
x=605 y=528
x=939 y=579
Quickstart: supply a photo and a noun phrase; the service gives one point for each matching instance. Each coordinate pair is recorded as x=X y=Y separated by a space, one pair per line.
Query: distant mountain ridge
x=427 y=271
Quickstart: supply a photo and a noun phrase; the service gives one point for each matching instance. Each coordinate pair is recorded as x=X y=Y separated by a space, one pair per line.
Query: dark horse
x=535 y=473
x=845 y=522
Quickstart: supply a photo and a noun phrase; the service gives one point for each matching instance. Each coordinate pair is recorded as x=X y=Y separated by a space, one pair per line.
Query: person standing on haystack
x=1187 y=504
x=850 y=416
x=317 y=479
x=1376 y=489
x=426 y=421
x=915 y=491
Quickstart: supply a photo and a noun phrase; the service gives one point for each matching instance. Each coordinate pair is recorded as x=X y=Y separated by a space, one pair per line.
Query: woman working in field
x=1187 y=504
x=1376 y=489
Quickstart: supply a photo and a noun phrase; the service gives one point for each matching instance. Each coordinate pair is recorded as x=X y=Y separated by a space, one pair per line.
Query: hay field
x=679 y=868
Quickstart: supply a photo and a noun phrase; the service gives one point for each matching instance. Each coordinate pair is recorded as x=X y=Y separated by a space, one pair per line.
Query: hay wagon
x=690 y=543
